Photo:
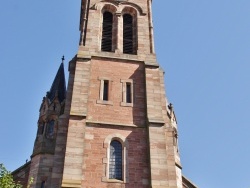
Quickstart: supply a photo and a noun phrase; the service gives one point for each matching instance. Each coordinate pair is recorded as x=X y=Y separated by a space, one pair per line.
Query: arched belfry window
x=129 y=38
x=107 y=32
x=115 y=160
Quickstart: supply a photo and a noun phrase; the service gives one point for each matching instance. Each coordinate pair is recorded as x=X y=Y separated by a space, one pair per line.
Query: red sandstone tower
x=113 y=127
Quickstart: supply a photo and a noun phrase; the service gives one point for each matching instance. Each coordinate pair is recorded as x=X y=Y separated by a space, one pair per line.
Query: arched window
x=40 y=129
x=115 y=160
x=50 y=129
x=129 y=39
x=107 y=32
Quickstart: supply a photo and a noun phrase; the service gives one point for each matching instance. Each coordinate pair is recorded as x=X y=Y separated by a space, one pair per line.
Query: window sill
x=127 y=104
x=104 y=102
x=104 y=179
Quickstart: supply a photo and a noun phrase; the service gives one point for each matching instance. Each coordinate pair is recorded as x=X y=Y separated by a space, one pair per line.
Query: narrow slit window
x=105 y=90
x=107 y=28
x=42 y=128
x=128 y=93
x=115 y=161
x=128 y=36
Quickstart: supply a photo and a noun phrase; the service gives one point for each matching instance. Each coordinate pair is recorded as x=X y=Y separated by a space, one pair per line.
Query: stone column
x=119 y=39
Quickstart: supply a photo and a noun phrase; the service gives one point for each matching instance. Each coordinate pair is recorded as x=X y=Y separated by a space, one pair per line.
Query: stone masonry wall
x=40 y=170
x=144 y=26
x=163 y=155
x=115 y=112
x=95 y=154
x=21 y=174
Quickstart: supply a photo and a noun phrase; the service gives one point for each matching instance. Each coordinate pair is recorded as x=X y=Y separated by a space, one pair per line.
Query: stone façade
x=76 y=126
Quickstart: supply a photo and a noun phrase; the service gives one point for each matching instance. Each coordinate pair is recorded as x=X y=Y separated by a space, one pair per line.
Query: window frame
x=133 y=13
x=124 y=92
x=128 y=39
x=101 y=91
x=41 y=128
x=49 y=134
x=105 y=92
x=112 y=31
x=125 y=170
x=116 y=168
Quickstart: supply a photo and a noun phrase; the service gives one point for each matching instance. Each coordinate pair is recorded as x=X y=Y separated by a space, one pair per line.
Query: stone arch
x=130 y=30
x=108 y=6
x=111 y=40
x=106 y=144
x=129 y=10
x=136 y=7
x=117 y=137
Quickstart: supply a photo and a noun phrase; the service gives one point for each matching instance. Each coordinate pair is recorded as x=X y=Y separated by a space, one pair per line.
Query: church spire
x=58 y=88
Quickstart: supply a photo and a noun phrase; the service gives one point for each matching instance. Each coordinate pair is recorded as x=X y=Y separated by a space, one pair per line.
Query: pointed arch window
x=107 y=32
x=129 y=38
x=50 y=129
x=115 y=160
x=40 y=129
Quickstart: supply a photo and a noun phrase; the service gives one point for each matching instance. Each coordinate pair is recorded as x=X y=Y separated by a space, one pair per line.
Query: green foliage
x=30 y=182
x=6 y=179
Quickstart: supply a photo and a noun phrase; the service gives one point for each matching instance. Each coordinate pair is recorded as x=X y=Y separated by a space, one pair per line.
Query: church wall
x=95 y=157
x=72 y=172
x=114 y=111
x=164 y=159
x=58 y=159
x=79 y=73
x=21 y=175
x=40 y=169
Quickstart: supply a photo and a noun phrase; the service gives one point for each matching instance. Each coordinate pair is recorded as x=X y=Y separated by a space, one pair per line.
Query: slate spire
x=58 y=88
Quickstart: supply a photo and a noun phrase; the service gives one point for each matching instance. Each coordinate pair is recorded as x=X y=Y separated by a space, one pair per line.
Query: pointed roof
x=58 y=87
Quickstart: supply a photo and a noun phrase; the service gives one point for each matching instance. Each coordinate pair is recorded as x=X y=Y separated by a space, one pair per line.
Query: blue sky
x=203 y=46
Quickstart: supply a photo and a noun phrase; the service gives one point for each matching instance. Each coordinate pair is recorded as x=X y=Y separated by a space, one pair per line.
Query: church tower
x=113 y=127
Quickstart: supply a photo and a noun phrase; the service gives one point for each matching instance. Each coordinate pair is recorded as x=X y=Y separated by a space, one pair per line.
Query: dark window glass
x=43 y=184
x=128 y=93
x=128 y=43
x=105 y=90
x=50 y=128
x=41 y=129
x=115 y=161
x=107 y=27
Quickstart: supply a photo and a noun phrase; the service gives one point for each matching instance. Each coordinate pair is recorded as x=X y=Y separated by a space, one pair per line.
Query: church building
x=112 y=127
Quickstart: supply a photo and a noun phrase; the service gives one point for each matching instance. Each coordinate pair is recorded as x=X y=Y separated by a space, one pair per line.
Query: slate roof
x=58 y=86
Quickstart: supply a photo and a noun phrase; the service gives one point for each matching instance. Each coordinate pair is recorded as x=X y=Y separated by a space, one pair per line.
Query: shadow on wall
x=139 y=96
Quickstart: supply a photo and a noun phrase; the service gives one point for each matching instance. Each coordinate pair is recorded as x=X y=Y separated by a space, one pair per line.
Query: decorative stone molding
x=118 y=5
x=71 y=183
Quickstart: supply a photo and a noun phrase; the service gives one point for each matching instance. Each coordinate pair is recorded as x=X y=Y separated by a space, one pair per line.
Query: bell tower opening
x=128 y=34
x=107 y=32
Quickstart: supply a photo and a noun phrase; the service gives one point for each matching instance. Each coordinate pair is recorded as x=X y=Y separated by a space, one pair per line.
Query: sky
x=203 y=46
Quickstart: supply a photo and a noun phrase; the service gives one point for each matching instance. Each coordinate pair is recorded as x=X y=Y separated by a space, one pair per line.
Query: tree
x=6 y=179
